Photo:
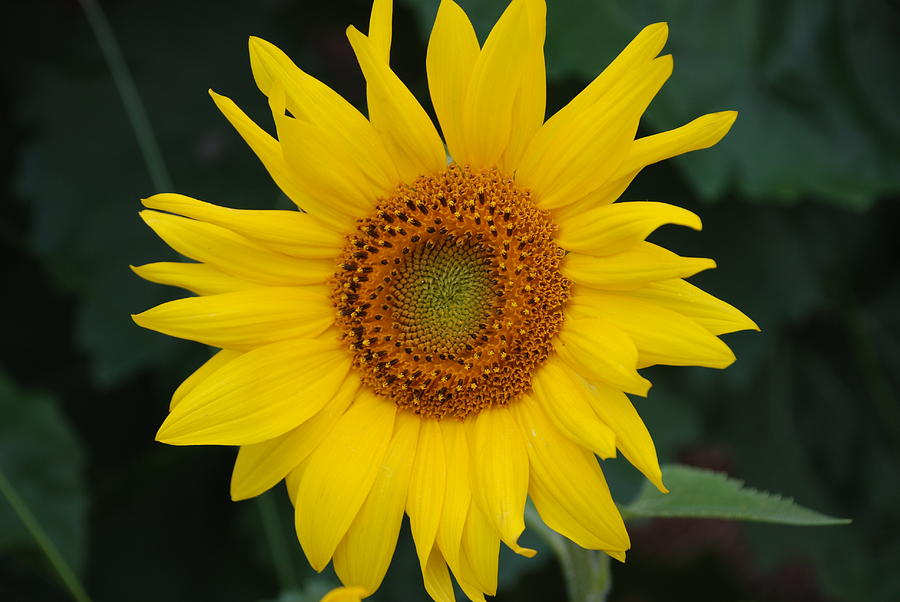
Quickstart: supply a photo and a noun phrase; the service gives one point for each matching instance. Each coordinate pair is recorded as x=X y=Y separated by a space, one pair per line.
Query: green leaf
x=41 y=465
x=698 y=493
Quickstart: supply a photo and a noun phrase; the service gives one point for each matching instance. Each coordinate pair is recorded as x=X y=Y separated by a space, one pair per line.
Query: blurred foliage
x=41 y=459
x=800 y=210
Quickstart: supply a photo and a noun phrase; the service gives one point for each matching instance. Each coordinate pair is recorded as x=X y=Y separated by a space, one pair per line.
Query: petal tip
x=617 y=554
x=526 y=552
x=644 y=387
x=164 y=434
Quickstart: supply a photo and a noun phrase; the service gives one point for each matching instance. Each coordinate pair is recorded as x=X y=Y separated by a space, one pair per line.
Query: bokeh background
x=800 y=210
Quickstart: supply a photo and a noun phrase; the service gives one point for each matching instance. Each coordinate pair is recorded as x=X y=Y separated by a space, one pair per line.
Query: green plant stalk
x=65 y=572
x=287 y=578
x=134 y=107
x=587 y=572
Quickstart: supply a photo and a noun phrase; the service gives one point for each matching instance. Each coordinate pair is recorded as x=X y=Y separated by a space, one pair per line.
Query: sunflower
x=442 y=331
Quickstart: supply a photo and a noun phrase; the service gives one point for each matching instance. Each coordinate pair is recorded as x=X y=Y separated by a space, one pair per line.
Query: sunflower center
x=442 y=293
x=449 y=294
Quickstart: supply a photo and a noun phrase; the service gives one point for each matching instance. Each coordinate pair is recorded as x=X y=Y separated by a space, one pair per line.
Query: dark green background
x=800 y=210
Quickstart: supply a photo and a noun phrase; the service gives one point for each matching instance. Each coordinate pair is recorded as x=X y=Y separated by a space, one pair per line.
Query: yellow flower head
x=437 y=337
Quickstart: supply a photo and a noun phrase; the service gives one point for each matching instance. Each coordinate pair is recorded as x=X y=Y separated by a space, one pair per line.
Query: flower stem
x=586 y=572
x=274 y=531
x=66 y=574
x=134 y=107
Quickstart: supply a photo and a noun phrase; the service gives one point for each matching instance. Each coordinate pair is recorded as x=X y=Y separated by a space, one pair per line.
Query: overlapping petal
x=239 y=408
x=661 y=336
x=499 y=474
x=311 y=101
x=573 y=157
x=363 y=556
x=567 y=485
x=425 y=502
x=632 y=437
x=600 y=350
x=565 y=399
x=243 y=319
x=680 y=296
x=234 y=254
x=615 y=228
x=199 y=278
x=210 y=366
x=452 y=51
x=639 y=265
x=403 y=125
x=290 y=232
x=339 y=476
x=260 y=466
x=270 y=153
x=487 y=111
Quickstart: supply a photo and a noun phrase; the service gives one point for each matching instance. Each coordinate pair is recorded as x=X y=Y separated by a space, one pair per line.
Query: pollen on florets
x=449 y=293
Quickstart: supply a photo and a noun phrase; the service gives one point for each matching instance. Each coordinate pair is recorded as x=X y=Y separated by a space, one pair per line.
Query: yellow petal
x=364 y=554
x=199 y=278
x=465 y=576
x=269 y=152
x=426 y=490
x=566 y=400
x=645 y=46
x=452 y=52
x=683 y=297
x=700 y=133
x=243 y=319
x=632 y=437
x=606 y=194
x=259 y=466
x=662 y=336
x=305 y=97
x=630 y=269
x=211 y=365
x=344 y=594
x=618 y=227
x=491 y=95
x=292 y=232
x=292 y=481
x=640 y=51
x=567 y=162
x=340 y=475
x=404 y=126
x=380 y=28
x=567 y=485
x=312 y=101
x=234 y=254
x=599 y=350
x=457 y=494
x=322 y=162
x=437 y=578
x=481 y=549
x=499 y=474
x=259 y=395
x=530 y=105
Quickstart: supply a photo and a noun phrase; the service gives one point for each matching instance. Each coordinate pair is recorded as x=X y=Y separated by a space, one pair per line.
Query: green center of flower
x=443 y=294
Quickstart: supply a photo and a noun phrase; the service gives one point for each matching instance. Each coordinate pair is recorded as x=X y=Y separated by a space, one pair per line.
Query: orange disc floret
x=450 y=293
